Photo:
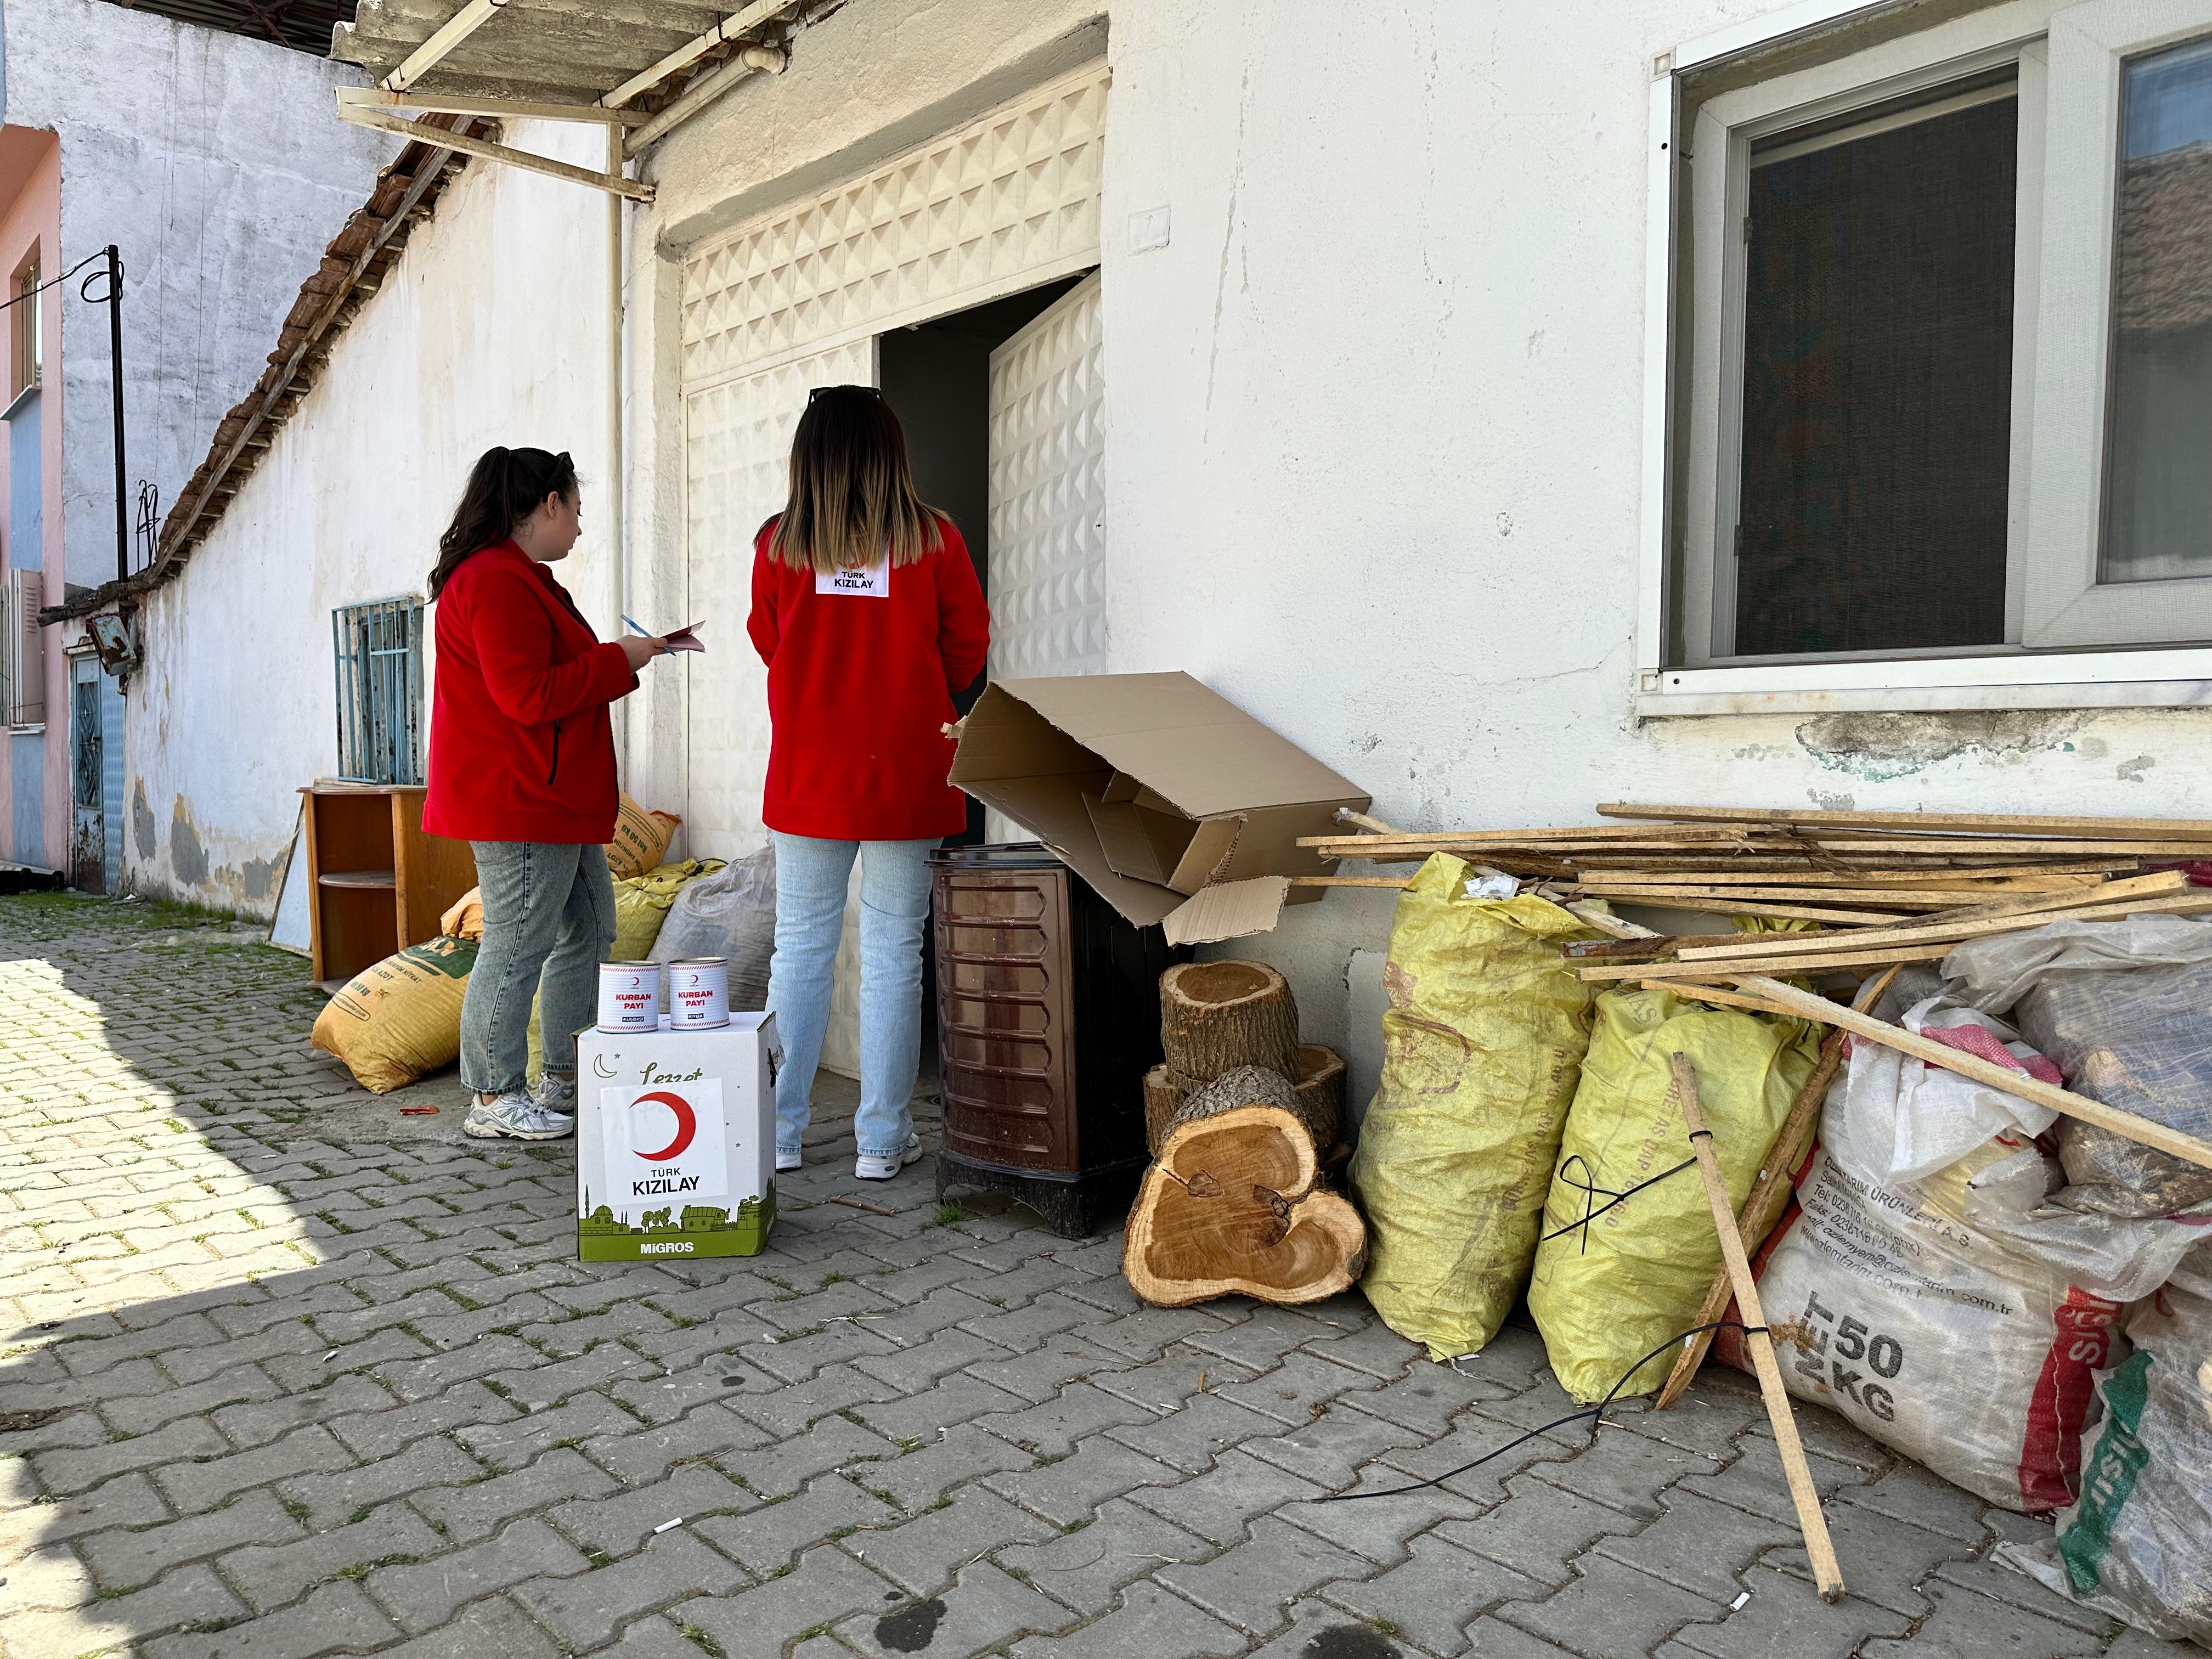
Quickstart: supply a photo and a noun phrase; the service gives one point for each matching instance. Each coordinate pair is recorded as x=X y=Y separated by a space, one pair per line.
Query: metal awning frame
x=360 y=106
x=387 y=106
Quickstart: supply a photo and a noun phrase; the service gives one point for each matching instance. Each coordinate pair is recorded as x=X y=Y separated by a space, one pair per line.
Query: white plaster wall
x=491 y=330
x=1375 y=427
x=215 y=165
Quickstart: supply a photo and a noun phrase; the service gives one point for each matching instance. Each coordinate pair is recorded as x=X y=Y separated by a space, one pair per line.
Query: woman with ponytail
x=522 y=767
x=869 y=616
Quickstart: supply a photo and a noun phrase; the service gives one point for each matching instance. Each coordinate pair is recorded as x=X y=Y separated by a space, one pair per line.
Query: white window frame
x=2047 y=513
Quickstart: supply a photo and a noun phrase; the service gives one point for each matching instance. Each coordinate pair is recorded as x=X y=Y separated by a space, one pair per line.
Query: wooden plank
x=1920 y=898
x=2156 y=885
x=2142 y=1130
x=1725 y=998
x=1663 y=944
x=2024 y=880
x=1807 y=964
x=2197 y=830
x=2190 y=903
x=1770 y=1194
x=1820 y=1552
x=1732 y=906
x=1595 y=834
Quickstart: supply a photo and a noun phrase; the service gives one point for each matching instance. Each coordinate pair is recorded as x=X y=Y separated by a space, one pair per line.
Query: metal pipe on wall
x=615 y=492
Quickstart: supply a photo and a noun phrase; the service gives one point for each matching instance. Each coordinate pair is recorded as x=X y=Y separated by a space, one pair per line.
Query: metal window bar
x=379 y=651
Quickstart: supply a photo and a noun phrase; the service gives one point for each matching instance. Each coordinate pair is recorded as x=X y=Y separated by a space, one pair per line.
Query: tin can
x=699 y=993
x=630 y=996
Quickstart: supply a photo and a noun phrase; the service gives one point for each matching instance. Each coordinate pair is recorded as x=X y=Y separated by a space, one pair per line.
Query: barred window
x=378 y=649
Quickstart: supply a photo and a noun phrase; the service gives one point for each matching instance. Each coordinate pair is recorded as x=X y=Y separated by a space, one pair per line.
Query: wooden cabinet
x=376 y=883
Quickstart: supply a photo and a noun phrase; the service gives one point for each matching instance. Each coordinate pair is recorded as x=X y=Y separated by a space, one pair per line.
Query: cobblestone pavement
x=292 y=1375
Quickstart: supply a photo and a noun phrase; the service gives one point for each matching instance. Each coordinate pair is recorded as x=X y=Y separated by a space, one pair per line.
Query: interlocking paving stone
x=330 y=1309
x=1093 y=1560
x=1250 y=1583
x=1149 y=1621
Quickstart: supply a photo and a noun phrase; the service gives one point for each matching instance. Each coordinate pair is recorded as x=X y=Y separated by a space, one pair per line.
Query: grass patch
x=949 y=1214
x=706 y=1644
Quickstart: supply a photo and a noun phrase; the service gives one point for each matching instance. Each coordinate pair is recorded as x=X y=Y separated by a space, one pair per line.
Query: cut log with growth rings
x=1233 y=1206
x=1217 y=1015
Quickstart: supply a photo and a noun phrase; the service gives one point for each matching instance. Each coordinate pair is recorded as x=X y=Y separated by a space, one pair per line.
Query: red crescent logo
x=686 y=1125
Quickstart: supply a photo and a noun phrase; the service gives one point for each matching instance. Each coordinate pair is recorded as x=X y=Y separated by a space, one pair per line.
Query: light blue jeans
x=811 y=879
x=549 y=920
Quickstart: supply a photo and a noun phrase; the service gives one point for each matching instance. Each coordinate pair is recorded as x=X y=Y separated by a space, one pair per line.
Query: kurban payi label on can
x=699 y=993
x=630 y=996
x=675 y=1138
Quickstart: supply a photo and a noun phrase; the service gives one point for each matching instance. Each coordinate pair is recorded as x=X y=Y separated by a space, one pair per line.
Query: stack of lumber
x=1239 y=1117
x=1846 y=872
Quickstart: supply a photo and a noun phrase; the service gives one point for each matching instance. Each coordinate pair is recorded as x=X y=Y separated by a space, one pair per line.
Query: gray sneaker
x=515 y=1117
x=556 y=1092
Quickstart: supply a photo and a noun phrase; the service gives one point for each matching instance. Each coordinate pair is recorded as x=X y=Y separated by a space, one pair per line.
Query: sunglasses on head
x=873 y=391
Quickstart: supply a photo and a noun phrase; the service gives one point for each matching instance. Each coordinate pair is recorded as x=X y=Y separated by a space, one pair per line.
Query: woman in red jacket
x=522 y=767
x=867 y=612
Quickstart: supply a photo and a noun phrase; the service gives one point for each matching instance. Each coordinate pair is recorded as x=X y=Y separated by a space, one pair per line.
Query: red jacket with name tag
x=862 y=670
x=521 y=748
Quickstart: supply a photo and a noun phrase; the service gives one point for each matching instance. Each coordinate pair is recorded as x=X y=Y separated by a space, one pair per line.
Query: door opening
x=87 y=754
x=937 y=377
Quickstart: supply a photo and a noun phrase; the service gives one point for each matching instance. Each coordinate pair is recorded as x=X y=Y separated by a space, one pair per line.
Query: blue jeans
x=811 y=879
x=549 y=920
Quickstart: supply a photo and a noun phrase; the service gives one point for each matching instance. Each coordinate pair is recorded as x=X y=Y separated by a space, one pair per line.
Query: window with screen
x=379 y=651
x=1948 y=342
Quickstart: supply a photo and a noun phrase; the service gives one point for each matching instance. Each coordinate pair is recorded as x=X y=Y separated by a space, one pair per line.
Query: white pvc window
x=1939 y=321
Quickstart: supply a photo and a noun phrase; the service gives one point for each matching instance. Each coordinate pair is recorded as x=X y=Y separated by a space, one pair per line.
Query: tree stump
x=1321 y=1093
x=1217 y=1016
x=1232 y=1206
x=1163 y=1097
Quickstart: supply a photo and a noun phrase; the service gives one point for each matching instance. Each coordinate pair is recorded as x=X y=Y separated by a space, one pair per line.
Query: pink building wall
x=30 y=216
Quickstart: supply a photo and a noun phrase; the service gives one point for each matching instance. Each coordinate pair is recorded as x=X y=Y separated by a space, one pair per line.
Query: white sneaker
x=556 y=1092
x=515 y=1117
x=871 y=1166
x=786 y=1162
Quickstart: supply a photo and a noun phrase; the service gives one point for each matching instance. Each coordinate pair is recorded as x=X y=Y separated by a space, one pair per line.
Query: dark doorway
x=937 y=375
x=87 y=752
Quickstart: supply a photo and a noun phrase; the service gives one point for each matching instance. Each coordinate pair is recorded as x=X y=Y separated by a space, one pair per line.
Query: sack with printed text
x=2138 y=1543
x=1889 y=1303
x=395 y=1021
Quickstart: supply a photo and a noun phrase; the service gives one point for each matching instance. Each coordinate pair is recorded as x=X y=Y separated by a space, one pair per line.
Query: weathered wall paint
x=490 y=329
x=214 y=163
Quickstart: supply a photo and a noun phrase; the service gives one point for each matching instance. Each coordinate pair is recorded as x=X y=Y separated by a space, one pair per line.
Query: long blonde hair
x=851 y=490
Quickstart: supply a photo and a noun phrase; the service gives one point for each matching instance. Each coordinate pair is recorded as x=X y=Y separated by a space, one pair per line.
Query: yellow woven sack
x=641 y=839
x=641 y=905
x=395 y=1021
x=1481 y=1046
x=1606 y=1293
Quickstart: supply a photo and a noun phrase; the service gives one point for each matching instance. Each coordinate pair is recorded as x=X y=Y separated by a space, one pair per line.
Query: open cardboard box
x=1176 y=806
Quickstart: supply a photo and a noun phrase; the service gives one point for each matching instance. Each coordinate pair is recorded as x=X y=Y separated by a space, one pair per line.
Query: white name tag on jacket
x=864 y=581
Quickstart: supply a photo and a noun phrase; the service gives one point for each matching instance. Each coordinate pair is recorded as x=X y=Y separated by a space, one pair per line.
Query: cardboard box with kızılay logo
x=1176 y=806
x=676 y=1140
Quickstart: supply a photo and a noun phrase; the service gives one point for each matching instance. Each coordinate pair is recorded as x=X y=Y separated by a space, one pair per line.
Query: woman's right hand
x=642 y=648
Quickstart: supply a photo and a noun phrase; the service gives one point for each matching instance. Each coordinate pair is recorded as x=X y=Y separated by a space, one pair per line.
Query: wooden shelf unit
x=377 y=882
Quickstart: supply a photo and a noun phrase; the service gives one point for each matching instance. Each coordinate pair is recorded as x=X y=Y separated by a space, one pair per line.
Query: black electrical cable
x=55 y=282
x=1590 y=1189
x=1597 y=1411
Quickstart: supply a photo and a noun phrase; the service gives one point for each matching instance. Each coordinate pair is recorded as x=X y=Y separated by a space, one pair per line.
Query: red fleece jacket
x=521 y=745
x=859 y=687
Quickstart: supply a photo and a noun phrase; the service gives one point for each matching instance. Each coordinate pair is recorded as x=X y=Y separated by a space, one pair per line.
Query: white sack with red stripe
x=1889 y=1305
